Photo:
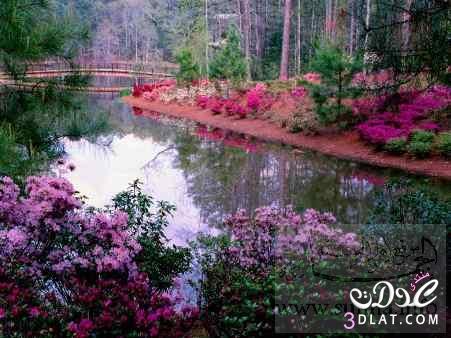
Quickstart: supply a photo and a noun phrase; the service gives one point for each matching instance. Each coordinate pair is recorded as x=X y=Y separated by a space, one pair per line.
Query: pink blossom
x=34 y=311
x=314 y=78
x=16 y=236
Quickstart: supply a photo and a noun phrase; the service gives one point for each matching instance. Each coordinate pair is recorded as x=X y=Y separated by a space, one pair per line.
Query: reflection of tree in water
x=222 y=179
x=125 y=122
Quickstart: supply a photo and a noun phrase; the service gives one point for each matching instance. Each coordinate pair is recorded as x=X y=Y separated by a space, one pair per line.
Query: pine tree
x=337 y=71
x=189 y=70
x=229 y=63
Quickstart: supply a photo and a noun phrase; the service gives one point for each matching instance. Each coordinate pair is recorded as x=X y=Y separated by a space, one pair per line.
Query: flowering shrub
x=243 y=271
x=202 y=101
x=313 y=78
x=69 y=270
x=234 y=108
x=273 y=233
x=304 y=121
x=216 y=104
x=374 y=80
x=414 y=111
x=153 y=91
x=299 y=92
x=258 y=99
x=229 y=106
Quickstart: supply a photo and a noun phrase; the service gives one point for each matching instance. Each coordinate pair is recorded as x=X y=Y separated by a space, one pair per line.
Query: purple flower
x=16 y=236
x=34 y=312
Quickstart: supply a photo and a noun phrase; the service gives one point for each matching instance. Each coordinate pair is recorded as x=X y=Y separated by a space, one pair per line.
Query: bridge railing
x=103 y=66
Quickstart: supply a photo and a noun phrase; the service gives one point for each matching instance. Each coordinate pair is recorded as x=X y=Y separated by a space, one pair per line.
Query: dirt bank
x=346 y=146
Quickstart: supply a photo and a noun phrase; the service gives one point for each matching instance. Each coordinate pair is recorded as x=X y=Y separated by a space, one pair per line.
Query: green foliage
x=444 y=143
x=44 y=113
x=229 y=62
x=337 y=70
x=14 y=159
x=421 y=143
x=396 y=145
x=427 y=52
x=303 y=121
x=420 y=149
x=189 y=70
x=195 y=40
x=148 y=219
x=269 y=66
x=401 y=202
x=422 y=136
x=125 y=92
x=238 y=304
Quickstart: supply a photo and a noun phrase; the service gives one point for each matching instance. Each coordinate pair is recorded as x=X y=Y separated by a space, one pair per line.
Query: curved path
x=345 y=146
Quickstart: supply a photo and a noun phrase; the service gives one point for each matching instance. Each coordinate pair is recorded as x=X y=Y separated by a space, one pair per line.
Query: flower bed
x=415 y=111
x=255 y=100
x=153 y=91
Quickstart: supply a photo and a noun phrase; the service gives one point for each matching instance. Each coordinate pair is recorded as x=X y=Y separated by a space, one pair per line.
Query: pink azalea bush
x=257 y=99
x=216 y=105
x=313 y=78
x=414 y=113
x=299 y=92
x=234 y=108
x=246 y=270
x=202 y=101
x=70 y=272
x=273 y=234
x=153 y=91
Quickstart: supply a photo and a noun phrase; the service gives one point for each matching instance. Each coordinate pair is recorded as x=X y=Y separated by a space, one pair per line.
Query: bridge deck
x=114 y=69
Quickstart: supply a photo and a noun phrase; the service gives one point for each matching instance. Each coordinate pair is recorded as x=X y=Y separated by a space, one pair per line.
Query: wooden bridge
x=149 y=72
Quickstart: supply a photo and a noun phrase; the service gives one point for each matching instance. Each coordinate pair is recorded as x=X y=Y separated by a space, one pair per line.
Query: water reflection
x=208 y=174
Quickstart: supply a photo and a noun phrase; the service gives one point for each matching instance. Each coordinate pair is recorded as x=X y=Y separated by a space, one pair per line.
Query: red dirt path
x=345 y=146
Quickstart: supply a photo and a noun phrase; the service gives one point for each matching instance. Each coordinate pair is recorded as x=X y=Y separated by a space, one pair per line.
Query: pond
x=209 y=174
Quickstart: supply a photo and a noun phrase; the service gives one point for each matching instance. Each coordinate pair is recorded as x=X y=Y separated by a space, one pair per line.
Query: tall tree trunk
x=367 y=23
x=257 y=31
x=334 y=21
x=207 y=41
x=328 y=21
x=406 y=29
x=286 y=41
x=312 y=31
x=352 y=27
x=240 y=20
x=136 y=43
x=247 y=34
x=298 y=40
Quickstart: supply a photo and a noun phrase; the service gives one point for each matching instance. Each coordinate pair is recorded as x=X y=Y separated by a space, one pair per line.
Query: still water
x=209 y=174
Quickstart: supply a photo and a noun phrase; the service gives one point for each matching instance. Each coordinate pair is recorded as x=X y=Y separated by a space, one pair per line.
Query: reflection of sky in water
x=103 y=172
